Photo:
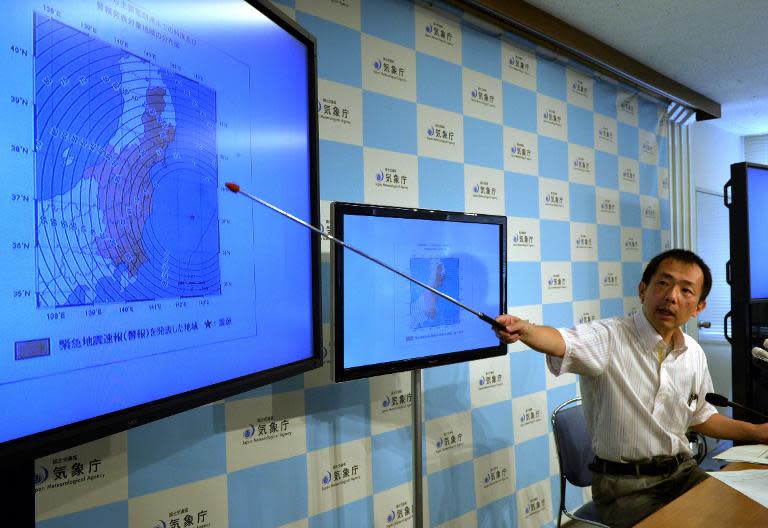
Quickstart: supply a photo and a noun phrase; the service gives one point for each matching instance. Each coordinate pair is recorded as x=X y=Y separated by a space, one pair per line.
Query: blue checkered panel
x=580 y=165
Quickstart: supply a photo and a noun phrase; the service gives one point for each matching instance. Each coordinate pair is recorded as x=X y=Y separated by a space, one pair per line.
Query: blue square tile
x=553 y=158
x=606 y=170
x=338 y=50
x=662 y=142
x=651 y=243
x=522 y=199
x=631 y=275
x=337 y=413
x=551 y=79
x=528 y=373
x=519 y=108
x=392 y=20
x=451 y=493
x=581 y=126
x=502 y=512
x=611 y=308
x=628 y=141
x=389 y=123
x=441 y=184
x=492 y=428
x=268 y=495
x=341 y=172
x=348 y=515
x=555 y=240
x=583 y=201
x=605 y=99
x=438 y=83
x=532 y=461
x=114 y=515
x=523 y=284
x=649 y=180
x=586 y=281
x=483 y=143
x=481 y=53
x=177 y=450
x=648 y=119
x=559 y=315
x=629 y=205
x=446 y=390
x=608 y=243
x=666 y=217
x=392 y=458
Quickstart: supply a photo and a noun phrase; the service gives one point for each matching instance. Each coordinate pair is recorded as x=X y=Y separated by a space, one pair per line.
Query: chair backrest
x=574 y=445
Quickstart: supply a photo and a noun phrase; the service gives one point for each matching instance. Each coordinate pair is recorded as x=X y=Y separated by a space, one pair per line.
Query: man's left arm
x=721 y=426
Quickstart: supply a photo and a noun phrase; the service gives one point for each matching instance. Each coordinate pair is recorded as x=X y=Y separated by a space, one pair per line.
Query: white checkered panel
x=418 y=109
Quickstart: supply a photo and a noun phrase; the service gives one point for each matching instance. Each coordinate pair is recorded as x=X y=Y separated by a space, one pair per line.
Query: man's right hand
x=516 y=328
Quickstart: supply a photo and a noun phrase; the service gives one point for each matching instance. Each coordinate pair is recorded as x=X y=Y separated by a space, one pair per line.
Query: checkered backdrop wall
x=456 y=119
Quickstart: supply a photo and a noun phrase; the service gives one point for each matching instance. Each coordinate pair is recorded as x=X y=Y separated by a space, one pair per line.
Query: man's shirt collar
x=650 y=338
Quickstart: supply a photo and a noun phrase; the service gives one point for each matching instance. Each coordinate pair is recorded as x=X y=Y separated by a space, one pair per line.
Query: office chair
x=574 y=454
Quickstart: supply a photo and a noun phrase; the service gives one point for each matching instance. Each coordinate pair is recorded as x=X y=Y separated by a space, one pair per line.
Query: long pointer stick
x=235 y=188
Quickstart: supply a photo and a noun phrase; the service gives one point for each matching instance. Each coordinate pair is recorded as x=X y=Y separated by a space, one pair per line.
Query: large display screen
x=757 y=200
x=385 y=323
x=131 y=275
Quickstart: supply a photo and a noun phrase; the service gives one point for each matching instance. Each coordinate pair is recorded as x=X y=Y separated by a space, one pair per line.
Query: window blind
x=756 y=149
x=713 y=246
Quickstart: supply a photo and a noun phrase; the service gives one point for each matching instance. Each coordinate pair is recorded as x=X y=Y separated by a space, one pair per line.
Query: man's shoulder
x=618 y=326
x=619 y=322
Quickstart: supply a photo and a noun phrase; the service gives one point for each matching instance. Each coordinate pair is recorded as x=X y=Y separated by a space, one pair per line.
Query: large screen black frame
x=341 y=209
x=22 y=450
x=737 y=200
x=748 y=316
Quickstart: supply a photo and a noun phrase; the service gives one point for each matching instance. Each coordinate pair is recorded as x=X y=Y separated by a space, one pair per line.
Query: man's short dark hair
x=680 y=255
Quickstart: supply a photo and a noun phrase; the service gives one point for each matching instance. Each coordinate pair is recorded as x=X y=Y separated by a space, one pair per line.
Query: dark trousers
x=624 y=501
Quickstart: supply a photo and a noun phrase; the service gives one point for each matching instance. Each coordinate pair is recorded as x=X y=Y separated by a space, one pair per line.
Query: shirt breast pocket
x=686 y=394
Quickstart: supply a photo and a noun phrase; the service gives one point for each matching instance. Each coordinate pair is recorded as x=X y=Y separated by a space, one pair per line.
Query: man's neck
x=666 y=335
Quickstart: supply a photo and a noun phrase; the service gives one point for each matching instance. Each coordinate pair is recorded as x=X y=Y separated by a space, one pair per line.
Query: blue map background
x=91 y=98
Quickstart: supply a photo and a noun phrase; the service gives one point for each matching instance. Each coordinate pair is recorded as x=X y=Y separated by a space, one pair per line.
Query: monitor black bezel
x=21 y=451
x=740 y=265
x=341 y=209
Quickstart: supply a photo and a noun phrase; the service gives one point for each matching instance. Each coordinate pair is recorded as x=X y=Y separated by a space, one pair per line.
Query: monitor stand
x=418 y=504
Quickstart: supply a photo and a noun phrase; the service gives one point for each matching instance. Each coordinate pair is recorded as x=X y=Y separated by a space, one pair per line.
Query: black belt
x=663 y=465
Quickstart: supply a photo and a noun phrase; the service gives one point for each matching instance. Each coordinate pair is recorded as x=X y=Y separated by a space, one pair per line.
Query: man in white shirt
x=643 y=383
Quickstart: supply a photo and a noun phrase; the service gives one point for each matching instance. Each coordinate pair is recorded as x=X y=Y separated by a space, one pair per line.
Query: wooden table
x=711 y=503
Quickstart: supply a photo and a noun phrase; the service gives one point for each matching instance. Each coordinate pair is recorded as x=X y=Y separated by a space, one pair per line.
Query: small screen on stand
x=385 y=323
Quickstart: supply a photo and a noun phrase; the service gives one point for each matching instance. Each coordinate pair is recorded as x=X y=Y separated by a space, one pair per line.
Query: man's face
x=672 y=296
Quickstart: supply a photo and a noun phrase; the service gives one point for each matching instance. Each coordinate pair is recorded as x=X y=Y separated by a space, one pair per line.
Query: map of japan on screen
x=128 y=262
x=126 y=170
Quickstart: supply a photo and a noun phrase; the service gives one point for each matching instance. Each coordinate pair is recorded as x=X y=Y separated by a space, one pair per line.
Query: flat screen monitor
x=384 y=323
x=135 y=285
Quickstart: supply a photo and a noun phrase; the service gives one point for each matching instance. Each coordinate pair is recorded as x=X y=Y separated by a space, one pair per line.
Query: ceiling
x=715 y=47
